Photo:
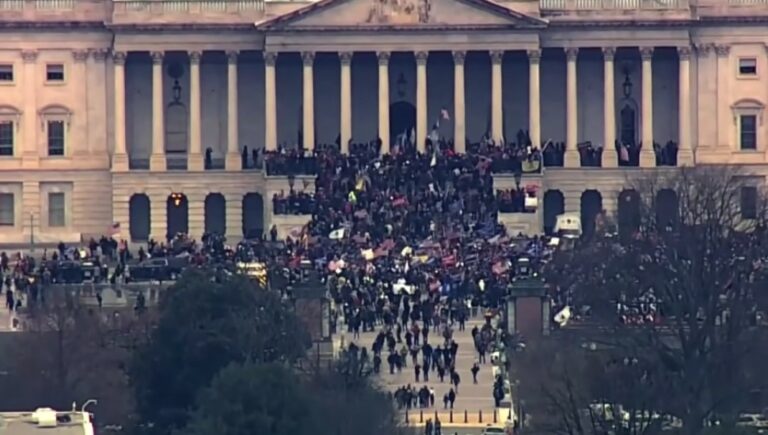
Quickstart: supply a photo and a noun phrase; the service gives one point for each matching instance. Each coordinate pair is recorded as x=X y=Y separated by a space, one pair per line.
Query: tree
x=204 y=325
x=688 y=284
x=252 y=399
x=272 y=399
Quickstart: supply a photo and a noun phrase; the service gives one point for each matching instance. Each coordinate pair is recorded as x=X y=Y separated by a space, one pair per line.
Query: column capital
x=383 y=57
x=270 y=58
x=308 y=58
x=421 y=57
x=723 y=50
x=118 y=57
x=646 y=53
x=534 y=56
x=99 y=54
x=459 y=57
x=571 y=54
x=157 y=57
x=684 y=53
x=345 y=57
x=195 y=57
x=232 y=56
x=609 y=53
x=29 y=56
x=704 y=50
x=80 y=56
x=497 y=56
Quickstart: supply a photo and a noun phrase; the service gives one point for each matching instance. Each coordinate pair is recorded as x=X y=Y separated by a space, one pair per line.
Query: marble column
x=234 y=216
x=195 y=158
x=345 y=60
x=647 y=156
x=497 y=96
x=459 y=116
x=725 y=126
x=685 y=150
x=270 y=101
x=572 y=110
x=610 y=158
x=30 y=151
x=157 y=159
x=120 y=154
x=80 y=130
x=383 y=58
x=308 y=91
x=232 y=162
x=421 y=100
x=534 y=105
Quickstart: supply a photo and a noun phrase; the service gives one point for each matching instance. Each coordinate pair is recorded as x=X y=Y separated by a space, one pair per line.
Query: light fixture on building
x=177 y=198
x=401 y=85
x=627 y=85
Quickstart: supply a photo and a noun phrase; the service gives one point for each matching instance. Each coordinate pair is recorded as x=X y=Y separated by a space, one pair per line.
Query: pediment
x=335 y=14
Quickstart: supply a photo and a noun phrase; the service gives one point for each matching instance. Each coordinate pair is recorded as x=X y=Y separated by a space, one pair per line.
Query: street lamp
x=88 y=403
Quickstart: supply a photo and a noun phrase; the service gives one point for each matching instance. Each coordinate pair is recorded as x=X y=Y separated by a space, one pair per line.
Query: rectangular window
x=748 y=202
x=748 y=133
x=6 y=73
x=56 y=209
x=748 y=66
x=55 y=138
x=6 y=138
x=7 y=211
x=54 y=72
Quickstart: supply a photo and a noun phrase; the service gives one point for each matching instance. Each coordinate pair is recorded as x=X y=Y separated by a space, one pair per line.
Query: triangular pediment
x=402 y=13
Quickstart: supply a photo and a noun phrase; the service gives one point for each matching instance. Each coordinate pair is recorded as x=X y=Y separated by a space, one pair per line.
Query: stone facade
x=107 y=106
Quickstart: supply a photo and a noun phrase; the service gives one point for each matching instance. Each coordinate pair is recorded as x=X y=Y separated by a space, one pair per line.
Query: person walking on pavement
x=417 y=371
x=475 y=369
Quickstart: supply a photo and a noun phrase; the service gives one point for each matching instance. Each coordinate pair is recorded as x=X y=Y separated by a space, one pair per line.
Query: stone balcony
x=198 y=11
x=53 y=10
x=732 y=8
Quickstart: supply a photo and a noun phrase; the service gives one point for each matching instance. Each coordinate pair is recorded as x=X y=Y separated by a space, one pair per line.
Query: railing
x=52 y=10
x=188 y=6
x=596 y=5
x=748 y=2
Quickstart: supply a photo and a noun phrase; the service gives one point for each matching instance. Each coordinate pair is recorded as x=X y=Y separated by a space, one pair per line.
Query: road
x=473 y=398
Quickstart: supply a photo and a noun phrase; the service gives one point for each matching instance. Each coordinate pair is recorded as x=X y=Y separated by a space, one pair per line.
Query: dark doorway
x=215 y=214
x=667 y=210
x=628 y=213
x=139 y=217
x=628 y=125
x=402 y=119
x=177 y=208
x=554 y=205
x=253 y=216
x=591 y=207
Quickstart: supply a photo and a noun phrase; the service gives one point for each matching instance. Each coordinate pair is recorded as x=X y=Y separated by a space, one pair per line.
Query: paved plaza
x=470 y=397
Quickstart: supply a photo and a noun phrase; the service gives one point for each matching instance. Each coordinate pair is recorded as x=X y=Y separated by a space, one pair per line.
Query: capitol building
x=109 y=107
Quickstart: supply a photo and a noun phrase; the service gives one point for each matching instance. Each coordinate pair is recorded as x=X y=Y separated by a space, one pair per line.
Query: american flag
x=114 y=229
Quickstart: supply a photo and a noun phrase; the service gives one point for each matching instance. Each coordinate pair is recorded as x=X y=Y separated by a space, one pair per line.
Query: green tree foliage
x=252 y=399
x=246 y=399
x=204 y=326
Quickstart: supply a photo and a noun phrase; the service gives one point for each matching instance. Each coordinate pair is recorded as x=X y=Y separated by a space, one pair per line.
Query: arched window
x=55 y=120
x=748 y=117
x=10 y=121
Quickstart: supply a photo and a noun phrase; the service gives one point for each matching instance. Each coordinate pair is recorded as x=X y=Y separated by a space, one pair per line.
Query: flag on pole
x=623 y=153
x=445 y=115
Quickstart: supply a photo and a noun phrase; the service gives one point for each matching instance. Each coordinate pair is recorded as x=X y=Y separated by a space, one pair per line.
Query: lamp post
x=31 y=232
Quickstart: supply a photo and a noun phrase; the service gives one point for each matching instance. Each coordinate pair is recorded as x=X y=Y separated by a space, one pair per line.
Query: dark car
x=158 y=269
x=69 y=272
x=93 y=271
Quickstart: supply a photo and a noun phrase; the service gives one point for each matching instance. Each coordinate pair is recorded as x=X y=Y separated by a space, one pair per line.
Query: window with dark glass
x=55 y=138
x=6 y=73
x=56 y=209
x=748 y=66
x=748 y=132
x=749 y=202
x=7 y=211
x=6 y=138
x=54 y=73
